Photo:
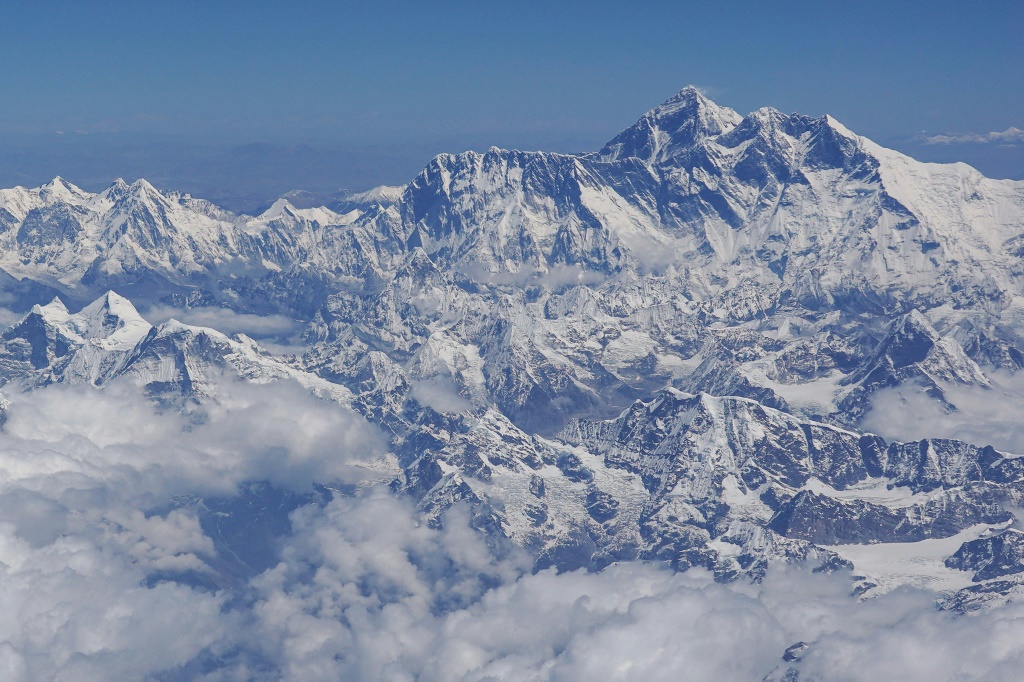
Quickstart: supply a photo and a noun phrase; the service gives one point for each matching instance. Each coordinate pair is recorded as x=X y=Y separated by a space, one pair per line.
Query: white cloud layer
x=227 y=321
x=983 y=417
x=1009 y=136
x=440 y=393
x=90 y=541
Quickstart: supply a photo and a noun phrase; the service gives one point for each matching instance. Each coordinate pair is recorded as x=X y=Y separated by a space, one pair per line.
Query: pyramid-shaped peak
x=61 y=190
x=691 y=104
x=909 y=340
x=915 y=322
x=675 y=126
x=55 y=309
x=143 y=190
x=114 y=303
x=142 y=185
x=113 y=318
x=691 y=94
x=418 y=264
x=278 y=209
x=58 y=182
x=56 y=304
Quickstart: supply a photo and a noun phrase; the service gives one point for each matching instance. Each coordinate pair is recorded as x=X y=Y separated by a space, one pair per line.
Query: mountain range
x=662 y=350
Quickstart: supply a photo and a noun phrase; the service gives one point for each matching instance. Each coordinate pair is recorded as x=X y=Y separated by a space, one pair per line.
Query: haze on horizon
x=242 y=102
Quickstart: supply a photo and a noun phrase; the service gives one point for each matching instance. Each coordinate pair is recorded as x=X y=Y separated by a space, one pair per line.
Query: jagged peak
x=139 y=192
x=766 y=122
x=177 y=328
x=115 y=190
x=689 y=96
x=676 y=125
x=767 y=115
x=55 y=307
x=110 y=321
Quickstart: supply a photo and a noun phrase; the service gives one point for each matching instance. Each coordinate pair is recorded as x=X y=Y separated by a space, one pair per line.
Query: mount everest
x=664 y=350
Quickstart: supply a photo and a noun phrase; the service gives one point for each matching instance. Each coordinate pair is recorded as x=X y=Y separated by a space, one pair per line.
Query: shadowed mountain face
x=661 y=350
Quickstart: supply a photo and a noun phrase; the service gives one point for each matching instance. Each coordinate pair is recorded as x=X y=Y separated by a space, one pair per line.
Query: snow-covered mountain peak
x=840 y=128
x=776 y=271
x=674 y=126
x=116 y=191
x=54 y=310
x=282 y=209
x=113 y=302
x=60 y=189
x=914 y=322
x=383 y=195
x=143 y=190
x=691 y=101
x=110 y=321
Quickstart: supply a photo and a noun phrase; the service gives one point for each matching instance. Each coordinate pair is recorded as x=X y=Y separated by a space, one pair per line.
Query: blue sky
x=563 y=76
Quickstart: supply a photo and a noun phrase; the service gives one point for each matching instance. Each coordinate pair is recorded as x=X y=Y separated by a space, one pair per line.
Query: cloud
x=8 y=317
x=93 y=533
x=274 y=432
x=554 y=278
x=363 y=592
x=709 y=91
x=227 y=321
x=983 y=416
x=440 y=393
x=1010 y=136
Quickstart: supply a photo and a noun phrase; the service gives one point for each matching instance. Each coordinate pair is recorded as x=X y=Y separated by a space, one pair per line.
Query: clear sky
x=562 y=75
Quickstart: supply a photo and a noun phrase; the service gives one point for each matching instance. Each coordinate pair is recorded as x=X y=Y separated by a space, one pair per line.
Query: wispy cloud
x=709 y=91
x=227 y=321
x=984 y=416
x=1010 y=136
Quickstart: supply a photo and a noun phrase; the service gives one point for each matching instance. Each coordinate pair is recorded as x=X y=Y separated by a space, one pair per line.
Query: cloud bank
x=1010 y=136
x=227 y=321
x=109 y=569
x=983 y=417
